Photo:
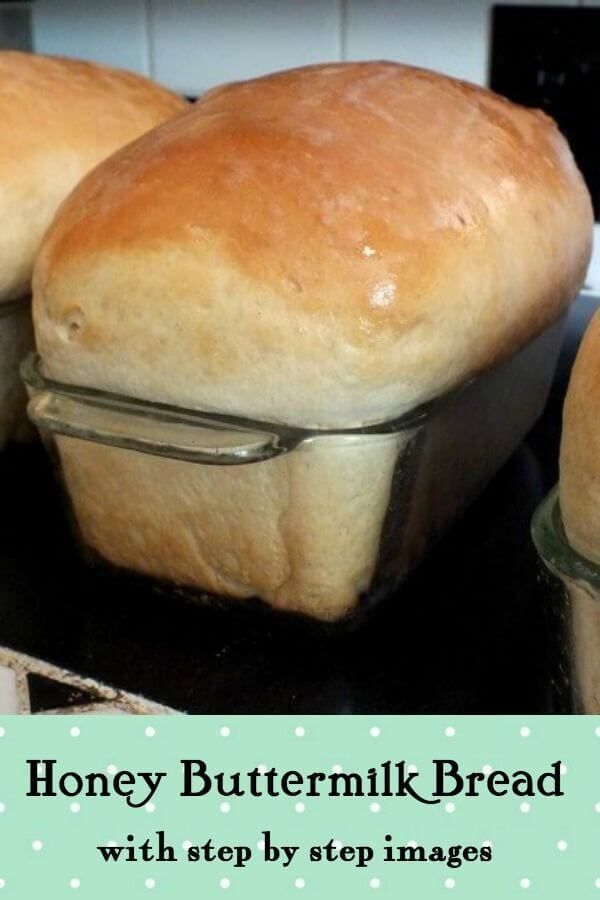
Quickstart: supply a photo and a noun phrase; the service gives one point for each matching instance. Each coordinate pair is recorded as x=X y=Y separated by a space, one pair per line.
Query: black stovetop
x=465 y=634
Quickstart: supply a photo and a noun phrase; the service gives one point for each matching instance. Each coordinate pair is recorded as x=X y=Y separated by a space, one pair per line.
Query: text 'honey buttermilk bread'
x=325 y=248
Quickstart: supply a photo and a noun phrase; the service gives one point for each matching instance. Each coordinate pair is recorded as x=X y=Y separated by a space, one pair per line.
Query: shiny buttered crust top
x=327 y=246
x=59 y=118
x=580 y=449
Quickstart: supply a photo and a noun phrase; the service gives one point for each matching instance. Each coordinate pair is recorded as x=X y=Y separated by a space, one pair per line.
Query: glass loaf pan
x=321 y=523
x=16 y=339
x=573 y=612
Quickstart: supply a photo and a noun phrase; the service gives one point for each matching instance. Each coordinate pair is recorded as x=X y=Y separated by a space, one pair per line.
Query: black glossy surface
x=549 y=57
x=466 y=634
x=46 y=693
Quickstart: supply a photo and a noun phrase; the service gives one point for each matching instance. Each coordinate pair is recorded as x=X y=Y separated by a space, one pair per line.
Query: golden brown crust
x=580 y=449
x=330 y=245
x=60 y=117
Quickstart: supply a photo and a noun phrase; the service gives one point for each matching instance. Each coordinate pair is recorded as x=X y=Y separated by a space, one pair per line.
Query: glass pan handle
x=203 y=441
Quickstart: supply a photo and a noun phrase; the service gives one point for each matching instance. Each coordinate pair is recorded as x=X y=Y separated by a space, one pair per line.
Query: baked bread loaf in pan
x=60 y=117
x=580 y=449
x=566 y=531
x=327 y=248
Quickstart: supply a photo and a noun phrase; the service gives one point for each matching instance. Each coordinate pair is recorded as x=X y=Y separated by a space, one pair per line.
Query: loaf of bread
x=579 y=493
x=579 y=484
x=326 y=247
x=60 y=117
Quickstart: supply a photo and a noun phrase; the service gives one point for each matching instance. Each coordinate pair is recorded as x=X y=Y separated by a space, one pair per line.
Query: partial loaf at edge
x=579 y=485
x=60 y=117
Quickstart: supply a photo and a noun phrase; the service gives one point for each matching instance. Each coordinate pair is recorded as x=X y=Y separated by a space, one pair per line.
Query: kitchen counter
x=465 y=634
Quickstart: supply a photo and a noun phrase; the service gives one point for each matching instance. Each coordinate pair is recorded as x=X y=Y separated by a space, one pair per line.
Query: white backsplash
x=109 y=31
x=191 y=45
x=451 y=37
x=196 y=45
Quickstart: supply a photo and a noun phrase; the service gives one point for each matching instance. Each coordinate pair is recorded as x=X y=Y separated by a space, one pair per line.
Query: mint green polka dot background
x=542 y=847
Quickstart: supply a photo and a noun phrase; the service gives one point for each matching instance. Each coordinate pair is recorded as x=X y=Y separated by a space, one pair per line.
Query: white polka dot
x=337 y=769
x=262 y=769
x=2 y=732
x=597 y=882
x=525 y=883
x=562 y=845
x=299 y=731
x=75 y=883
x=597 y=807
x=374 y=807
x=186 y=845
x=375 y=731
x=2 y=882
x=299 y=883
x=224 y=882
x=150 y=883
x=487 y=769
x=450 y=807
x=563 y=769
x=375 y=883
x=225 y=731
x=261 y=845
x=449 y=882
x=225 y=807
x=112 y=769
x=41 y=768
x=598 y=731
x=299 y=807
x=486 y=843
x=37 y=845
x=2 y=807
x=75 y=731
x=450 y=731
x=150 y=732
x=75 y=807
x=525 y=731
x=411 y=768
x=112 y=843
x=337 y=844
x=525 y=807
x=411 y=844
x=150 y=807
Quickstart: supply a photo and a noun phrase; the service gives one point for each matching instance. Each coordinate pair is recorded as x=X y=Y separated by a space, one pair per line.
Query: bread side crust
x=300 y=531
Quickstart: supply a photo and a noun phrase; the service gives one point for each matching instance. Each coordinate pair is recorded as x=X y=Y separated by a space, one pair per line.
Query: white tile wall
x=450 y=36
x=191 y=45
x=196 y=44
x=108 y=31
